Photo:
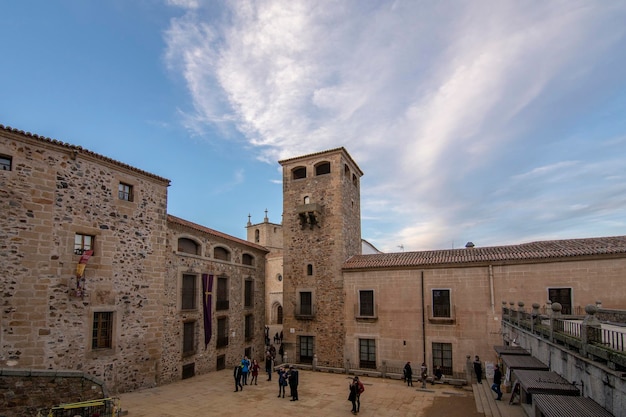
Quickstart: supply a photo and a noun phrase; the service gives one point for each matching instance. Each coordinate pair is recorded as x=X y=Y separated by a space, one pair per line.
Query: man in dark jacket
x=408 y=374
x=237 y=376
x=497 y=380
x=293 y=383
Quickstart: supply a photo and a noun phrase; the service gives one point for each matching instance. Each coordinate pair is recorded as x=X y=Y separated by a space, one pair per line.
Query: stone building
x=355 y=309
x=196 y=255
x=270 y=236
x=441 y=306
x=96 y=277
x=321 y=230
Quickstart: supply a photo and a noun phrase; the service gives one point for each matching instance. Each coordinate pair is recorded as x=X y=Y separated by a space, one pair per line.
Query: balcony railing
x=586 y=335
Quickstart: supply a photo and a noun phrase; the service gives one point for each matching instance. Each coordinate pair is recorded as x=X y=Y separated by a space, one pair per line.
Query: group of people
x=242 y=370
x=408 y=374
x=288 y=376
x=278 y=338
x=497 y=377
x=356 y=388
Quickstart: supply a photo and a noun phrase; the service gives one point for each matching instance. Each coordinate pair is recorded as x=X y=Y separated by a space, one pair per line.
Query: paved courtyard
x=320 y=394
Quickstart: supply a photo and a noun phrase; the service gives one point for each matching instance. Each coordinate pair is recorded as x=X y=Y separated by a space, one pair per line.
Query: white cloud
x=458 y=111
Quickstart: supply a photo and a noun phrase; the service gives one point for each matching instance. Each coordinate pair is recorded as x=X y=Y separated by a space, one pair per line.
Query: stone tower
x=321 y=229
x=270 y=235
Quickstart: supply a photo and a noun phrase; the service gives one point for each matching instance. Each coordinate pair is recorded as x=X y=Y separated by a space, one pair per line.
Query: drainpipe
x=423 y=319
x=493 y=311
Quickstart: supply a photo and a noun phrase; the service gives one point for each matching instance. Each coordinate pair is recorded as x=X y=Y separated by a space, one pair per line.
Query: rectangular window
x=221 y=301
x=222 y=332
x=188 y=292
x=306 y=303
x=562 y=296
x=367 y=353
x=305 y=349
x=249 y=294
x=102 y=332
x=6 y=163
x=189 y=337
x=442 y=357
x=249 y=327
x=441 y=303
x=366 y=303
x=125 y=192
x=83 y=243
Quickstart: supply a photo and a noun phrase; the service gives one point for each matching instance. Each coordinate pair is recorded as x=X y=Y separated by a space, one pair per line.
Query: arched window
x=247 y=259
x=257 y=236
x=309 y=269
x=221 y=253
x=307 y=200
x=346 y=170
x=298 y=173
x=354 y=180
x=188 y=246
x=322 y=168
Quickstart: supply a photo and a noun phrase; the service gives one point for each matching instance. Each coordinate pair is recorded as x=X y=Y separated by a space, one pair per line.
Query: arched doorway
x=279 y=315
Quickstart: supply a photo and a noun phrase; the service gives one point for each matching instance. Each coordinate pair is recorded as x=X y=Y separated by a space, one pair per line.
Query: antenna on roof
x=401 y=246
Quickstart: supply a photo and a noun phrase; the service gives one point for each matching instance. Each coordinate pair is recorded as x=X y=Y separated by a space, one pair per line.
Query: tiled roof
x=80 y=150
x=194 y=226
x=534 y=251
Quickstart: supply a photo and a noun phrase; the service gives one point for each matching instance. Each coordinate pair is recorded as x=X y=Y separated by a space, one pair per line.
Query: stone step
x=487 y=399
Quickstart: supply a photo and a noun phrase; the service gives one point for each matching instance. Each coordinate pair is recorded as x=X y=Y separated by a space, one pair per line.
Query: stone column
x=535 y=317
x=590 y=330
x=556 y=315
x=520 y=312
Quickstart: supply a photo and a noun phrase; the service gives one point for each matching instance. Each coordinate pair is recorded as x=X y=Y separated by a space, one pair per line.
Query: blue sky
x=492 y=122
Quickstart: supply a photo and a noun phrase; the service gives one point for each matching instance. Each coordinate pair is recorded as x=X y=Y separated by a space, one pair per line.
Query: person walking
x=255 y=372
x=245 y=368
x=281 y=352
x=478 y=369
x=361 y=389
x=268 y=365
x=497 y=380
x=293 y=382
x=354 y=392
x=408 y=374
x=237 y=376
x=282 y=381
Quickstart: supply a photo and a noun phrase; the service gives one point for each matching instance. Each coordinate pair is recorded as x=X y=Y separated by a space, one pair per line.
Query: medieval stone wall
x=325 y=246
x=204 y=358
x=24 y=392
x=270 y=235
x=53 y=192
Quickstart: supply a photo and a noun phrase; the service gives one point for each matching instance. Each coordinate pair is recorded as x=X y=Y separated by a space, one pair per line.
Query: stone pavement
x=320 y=394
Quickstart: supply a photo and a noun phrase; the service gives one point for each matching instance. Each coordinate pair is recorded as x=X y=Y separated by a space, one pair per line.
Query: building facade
x=270 y=236
x=96 y=277
x=321 y=230
x=442 y=306
x=216 y=279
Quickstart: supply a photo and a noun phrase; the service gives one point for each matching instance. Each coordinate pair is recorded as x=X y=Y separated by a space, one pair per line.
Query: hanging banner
x=82 y=263
x=207 y=304
x=80 y=273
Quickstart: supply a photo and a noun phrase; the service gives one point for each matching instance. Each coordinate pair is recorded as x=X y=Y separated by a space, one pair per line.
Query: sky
x=495 y=122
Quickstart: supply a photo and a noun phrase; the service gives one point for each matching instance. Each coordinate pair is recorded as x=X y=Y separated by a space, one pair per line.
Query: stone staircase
x=486 y=402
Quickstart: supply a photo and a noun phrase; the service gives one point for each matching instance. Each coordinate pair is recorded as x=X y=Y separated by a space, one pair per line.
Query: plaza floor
x=320 y=394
